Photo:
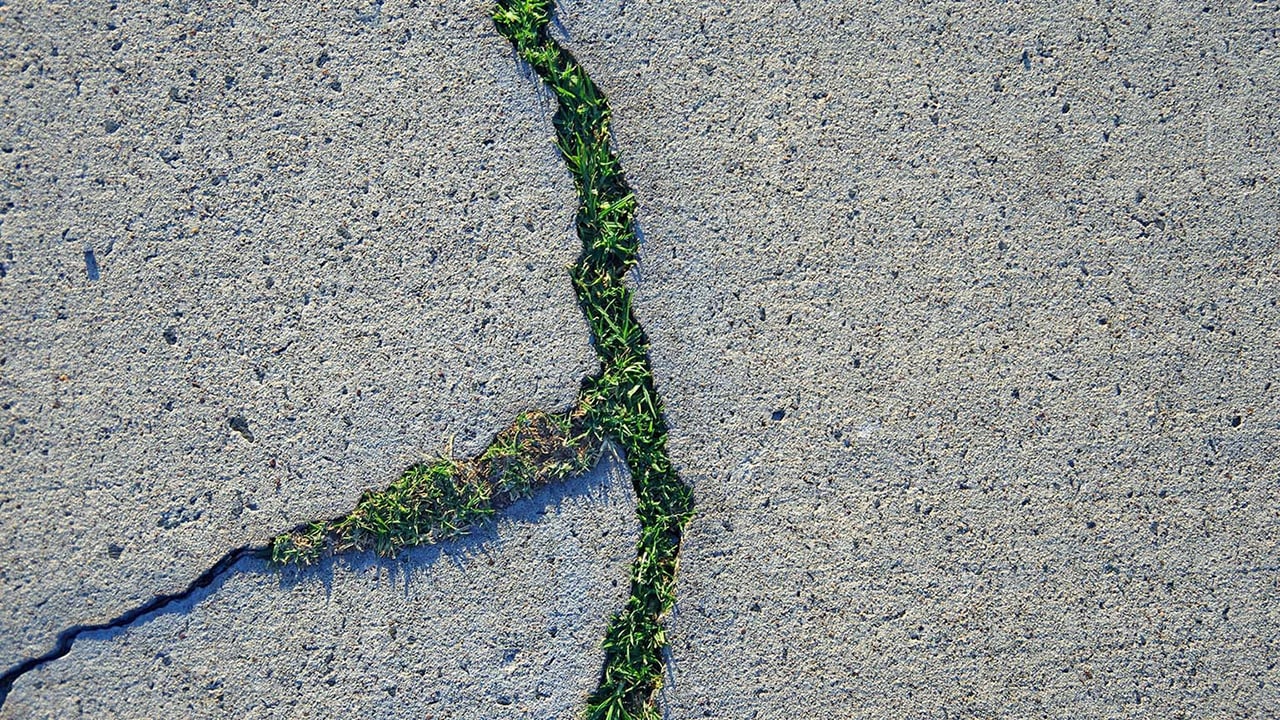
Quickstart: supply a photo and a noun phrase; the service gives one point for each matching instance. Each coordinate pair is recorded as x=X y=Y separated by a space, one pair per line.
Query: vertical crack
x=621 y=401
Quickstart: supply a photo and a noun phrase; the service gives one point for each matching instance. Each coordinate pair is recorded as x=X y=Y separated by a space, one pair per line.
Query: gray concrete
x=965 y=316
x=505 y=623
x=965 y=319
x=343 y=223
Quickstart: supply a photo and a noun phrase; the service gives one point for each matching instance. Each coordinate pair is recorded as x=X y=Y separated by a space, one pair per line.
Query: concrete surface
x=965 y=317
x=505 y=623
x=326 y=238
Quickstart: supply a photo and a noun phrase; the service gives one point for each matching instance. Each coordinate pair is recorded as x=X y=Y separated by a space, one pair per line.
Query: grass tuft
x=445 y=497
x=619 y=403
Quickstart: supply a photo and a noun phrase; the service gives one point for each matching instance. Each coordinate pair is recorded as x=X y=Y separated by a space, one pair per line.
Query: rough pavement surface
x=965 y=317
x=257 y=257
x=505 y=623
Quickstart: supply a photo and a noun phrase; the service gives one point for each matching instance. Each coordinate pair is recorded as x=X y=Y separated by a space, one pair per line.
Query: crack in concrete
x=537 y=449
x=447 y=497
x=67 y=637
x=438 y=500
x=622 y=402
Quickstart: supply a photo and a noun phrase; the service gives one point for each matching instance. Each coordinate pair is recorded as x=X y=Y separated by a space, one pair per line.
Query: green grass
x=447 y=497
x=621 y=402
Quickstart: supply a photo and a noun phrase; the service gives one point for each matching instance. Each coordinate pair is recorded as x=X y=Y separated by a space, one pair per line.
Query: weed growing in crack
x=621 y=402
x=300 y=547
x=445 y=498
x=429 y=502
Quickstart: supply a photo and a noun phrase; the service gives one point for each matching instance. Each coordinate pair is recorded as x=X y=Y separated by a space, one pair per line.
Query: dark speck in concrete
x=91 y=264
x=241 y=425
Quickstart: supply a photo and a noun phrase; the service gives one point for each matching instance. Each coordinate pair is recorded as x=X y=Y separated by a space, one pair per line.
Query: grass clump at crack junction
x=620 y=403
x=446 y=497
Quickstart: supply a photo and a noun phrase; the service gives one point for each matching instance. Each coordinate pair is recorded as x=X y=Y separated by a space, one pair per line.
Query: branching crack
x=447 y=497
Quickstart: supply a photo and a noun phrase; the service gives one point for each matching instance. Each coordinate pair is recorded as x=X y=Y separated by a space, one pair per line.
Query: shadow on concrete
x=479 y=543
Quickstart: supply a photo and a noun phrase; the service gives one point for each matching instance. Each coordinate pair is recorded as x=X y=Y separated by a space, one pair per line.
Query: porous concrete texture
x=965 y=318
x=257 y=257
x=505 y=623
